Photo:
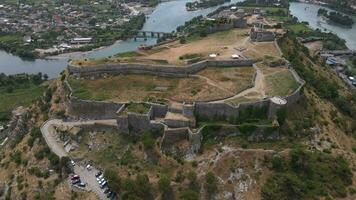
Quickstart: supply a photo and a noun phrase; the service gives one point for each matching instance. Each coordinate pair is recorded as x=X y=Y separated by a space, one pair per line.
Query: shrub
x=211 y=184
x=113 y=179
x=189 y=195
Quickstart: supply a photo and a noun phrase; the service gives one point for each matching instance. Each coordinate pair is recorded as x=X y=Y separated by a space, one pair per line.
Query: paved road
x=49 y=134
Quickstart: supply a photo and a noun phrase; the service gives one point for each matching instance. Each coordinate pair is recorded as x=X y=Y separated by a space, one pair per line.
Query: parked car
x=109 y=194
x=81 y=184
x=74 y=177
x=103 y=184
x=89 y=167
x=106 y=190
x=101 y=176
x=74 y=182
x=98 y=174
x=72 y=163
x=113 y=196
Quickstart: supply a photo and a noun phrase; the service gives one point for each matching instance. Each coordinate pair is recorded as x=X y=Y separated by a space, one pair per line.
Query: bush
x=114 y=180
x=164 y=185
x=189 y=195
x=140 y=188
x=211 y=185
x=16 y=157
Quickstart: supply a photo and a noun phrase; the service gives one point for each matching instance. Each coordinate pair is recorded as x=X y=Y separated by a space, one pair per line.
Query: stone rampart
x=295 y=96
x=215 y=110
x=172 y=136
x=86 y=109
x=138 y=123
x=158 y=110
x=162 y=70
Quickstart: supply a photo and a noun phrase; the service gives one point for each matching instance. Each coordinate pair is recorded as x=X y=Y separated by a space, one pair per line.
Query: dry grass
x=280 y=83
x=141 y=87
x=234 y=79
x=222 y=43
x=238 y=100
x=260 y=50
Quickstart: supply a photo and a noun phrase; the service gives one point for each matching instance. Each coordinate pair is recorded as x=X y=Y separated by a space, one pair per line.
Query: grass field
x=133 y=87
x=280 y=84
x=298 y=28
x=261 y=50
x=232 y=79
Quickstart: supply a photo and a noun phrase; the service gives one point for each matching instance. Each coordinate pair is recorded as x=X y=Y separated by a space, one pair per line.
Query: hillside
x=306 y=150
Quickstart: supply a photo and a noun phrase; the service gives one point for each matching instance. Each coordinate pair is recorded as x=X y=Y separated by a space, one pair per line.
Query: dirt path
x=213 y=83
x=50 y=136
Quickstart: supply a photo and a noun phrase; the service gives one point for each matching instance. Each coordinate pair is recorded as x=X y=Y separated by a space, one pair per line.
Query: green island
x=336 y=17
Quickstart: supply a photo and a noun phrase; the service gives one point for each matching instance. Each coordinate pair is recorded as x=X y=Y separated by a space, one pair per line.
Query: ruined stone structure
x=261 y=35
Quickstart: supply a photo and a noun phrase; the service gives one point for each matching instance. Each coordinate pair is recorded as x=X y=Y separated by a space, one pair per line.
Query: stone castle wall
x=158 y=110
x=86 y=109
x=161 y=70
x=295 y=96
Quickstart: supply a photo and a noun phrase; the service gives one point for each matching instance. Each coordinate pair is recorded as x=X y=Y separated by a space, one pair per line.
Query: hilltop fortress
x=187 y=102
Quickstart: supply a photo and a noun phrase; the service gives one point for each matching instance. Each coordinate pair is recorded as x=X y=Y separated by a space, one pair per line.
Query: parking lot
x=87 y=176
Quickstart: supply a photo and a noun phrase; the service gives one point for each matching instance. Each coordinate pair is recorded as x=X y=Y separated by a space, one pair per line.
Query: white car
x=101 y=181
x=89 y=167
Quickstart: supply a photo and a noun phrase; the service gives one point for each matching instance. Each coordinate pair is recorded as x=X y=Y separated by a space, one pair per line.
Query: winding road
x=49 y=134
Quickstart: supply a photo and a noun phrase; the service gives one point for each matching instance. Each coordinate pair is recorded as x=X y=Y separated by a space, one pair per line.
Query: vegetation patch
x=307 y=175
x=281 y=83
x=136 y=88
x=140 y=108
x=18 y=90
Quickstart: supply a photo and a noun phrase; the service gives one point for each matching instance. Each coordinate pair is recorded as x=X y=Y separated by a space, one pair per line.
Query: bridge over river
x=152 y=34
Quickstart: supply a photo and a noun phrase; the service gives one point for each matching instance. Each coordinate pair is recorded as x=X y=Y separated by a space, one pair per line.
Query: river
x=166 y=17
x=309 y=13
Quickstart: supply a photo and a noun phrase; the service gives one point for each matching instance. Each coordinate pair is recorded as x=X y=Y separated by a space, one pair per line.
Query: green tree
x=211 y=184
x=164 y=185
x=114 y=180
x=189 y=195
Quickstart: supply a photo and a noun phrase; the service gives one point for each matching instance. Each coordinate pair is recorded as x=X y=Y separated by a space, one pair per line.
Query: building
x=261 y=35
x=81 y=40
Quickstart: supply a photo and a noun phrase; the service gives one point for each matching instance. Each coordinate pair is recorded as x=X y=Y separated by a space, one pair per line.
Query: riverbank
x=80 y=54
x=309 y=13
x=166 y=17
